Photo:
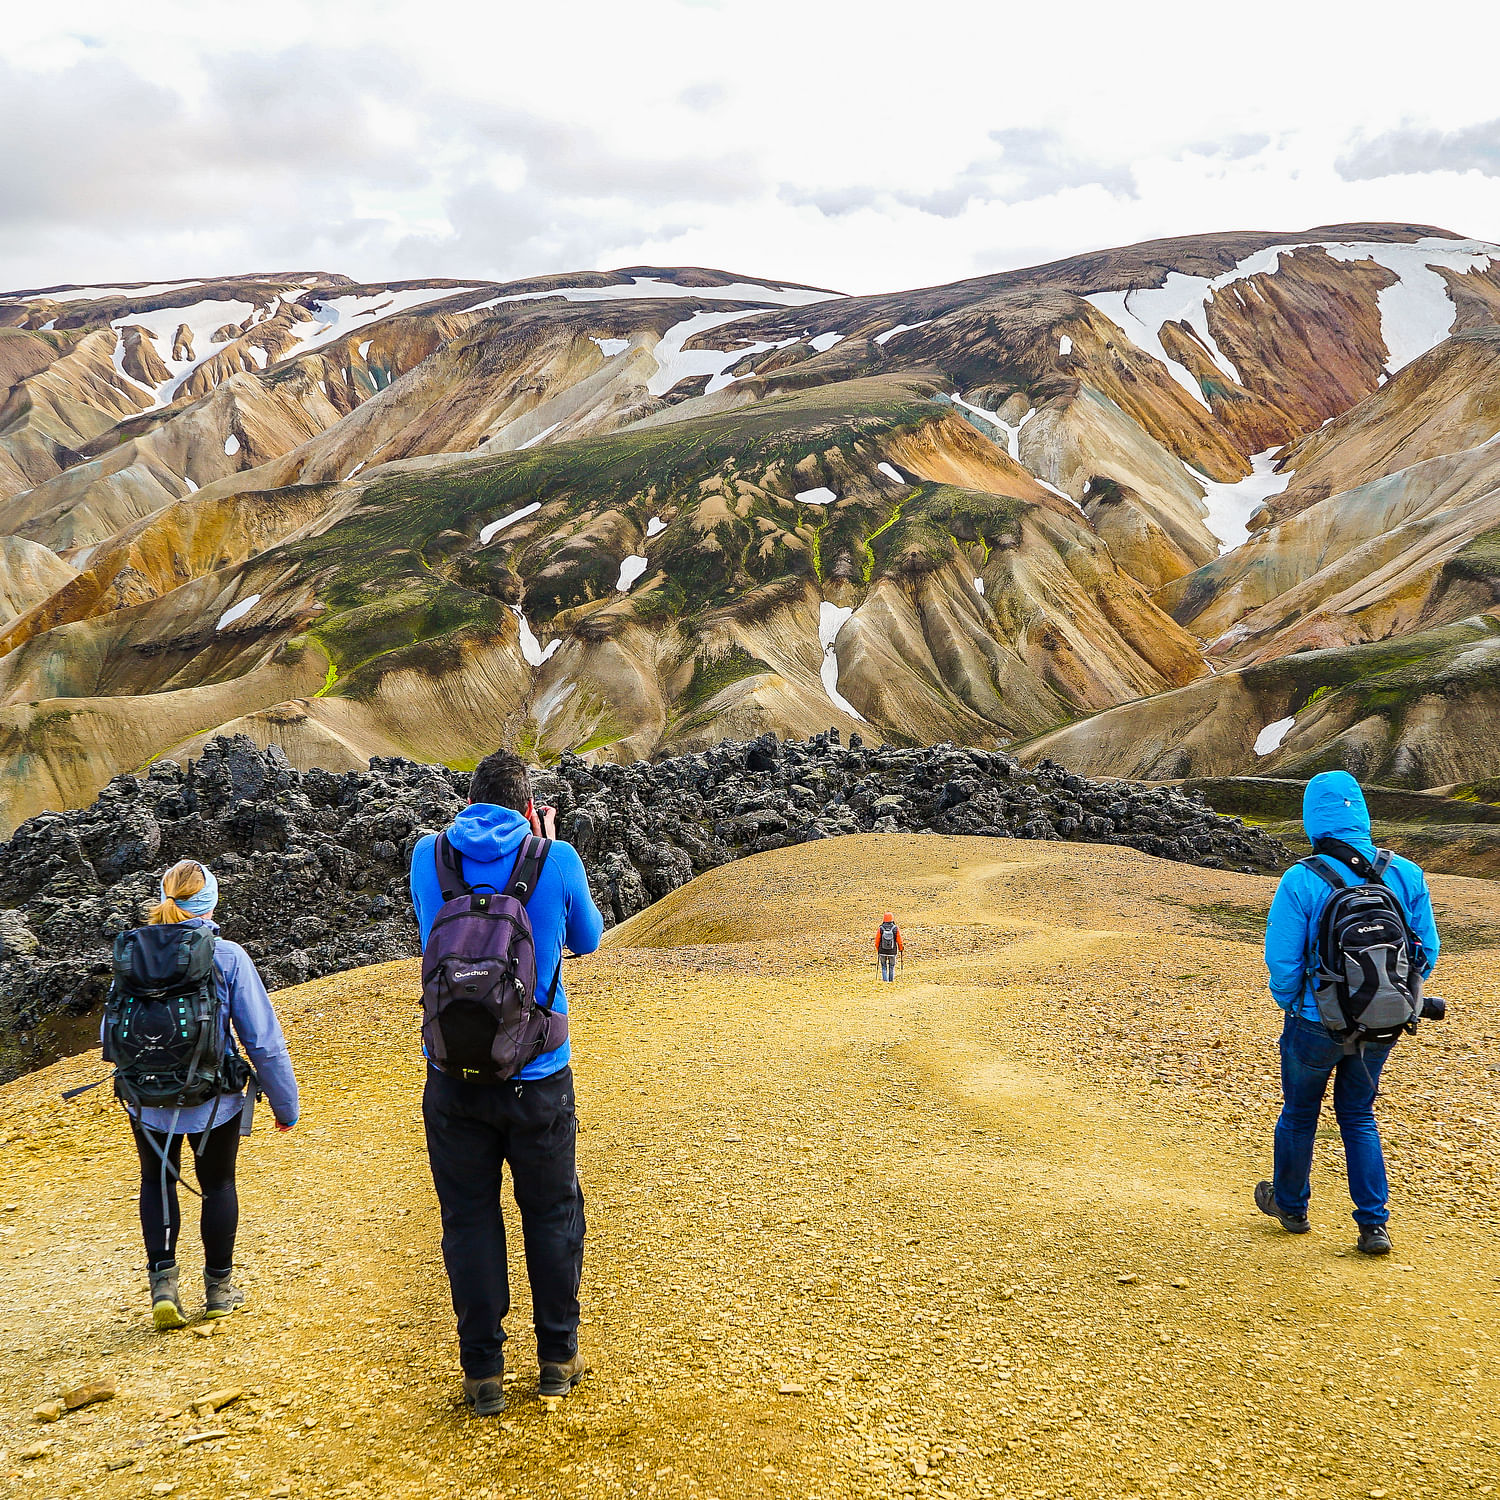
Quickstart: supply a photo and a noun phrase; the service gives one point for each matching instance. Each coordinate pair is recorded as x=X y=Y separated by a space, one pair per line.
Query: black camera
x=1434 y=1008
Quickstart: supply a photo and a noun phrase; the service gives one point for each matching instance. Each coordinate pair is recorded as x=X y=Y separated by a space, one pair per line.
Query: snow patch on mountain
x=891 y=472
x=203 y=320
x=652 y=286
x=1268 y=741
x=611 y=347
x=630 y=570
x=1065 y=345
x=655 y=526
x=93 y=293
x=825 y=341
x=820 y=495
x=532 y=650
x=831 y=620
x=1230 y=506
x=552 y=700
x=1416 y=312
x=675 y=363
x=237 y=612
x=334 y=317
x=231 y=445
x=546 y=432
x=494 y=528
x=890 y=333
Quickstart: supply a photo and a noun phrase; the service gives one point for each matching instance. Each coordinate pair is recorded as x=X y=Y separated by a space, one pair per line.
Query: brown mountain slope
x=626 y=511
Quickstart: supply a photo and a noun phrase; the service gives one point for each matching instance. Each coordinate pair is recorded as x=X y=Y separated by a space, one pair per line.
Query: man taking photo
x=497 y=898
x=1349 y=940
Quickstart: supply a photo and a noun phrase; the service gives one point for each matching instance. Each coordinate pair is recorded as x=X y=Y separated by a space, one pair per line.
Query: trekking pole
x=72 y=1094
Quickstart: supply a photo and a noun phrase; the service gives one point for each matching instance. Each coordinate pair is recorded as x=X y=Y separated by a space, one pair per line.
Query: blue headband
x=200 y=903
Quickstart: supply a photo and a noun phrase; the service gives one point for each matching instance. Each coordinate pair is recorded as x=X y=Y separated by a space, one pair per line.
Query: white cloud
x=163 y=139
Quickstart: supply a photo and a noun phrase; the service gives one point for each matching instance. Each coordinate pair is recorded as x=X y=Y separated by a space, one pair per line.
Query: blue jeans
x=1309 y=1057
x=887 y=967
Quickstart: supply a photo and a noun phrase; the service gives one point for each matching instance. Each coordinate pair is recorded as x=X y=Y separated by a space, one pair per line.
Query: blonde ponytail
x=185 y=878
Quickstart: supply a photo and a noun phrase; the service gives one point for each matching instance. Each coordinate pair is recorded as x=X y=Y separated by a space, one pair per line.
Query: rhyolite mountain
x=1209 y=507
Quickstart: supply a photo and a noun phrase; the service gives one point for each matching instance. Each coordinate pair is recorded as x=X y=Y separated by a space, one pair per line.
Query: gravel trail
x=985 y=1232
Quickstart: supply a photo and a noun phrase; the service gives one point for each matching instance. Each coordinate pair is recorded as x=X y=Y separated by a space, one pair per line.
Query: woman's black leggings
x=213 y=1154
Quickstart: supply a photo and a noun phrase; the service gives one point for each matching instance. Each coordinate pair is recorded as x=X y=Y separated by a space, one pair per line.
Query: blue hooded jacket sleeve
x=1288 y=939
x=256 y=1025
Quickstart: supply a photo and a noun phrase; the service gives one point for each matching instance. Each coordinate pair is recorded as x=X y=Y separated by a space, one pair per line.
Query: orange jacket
x=900 y=946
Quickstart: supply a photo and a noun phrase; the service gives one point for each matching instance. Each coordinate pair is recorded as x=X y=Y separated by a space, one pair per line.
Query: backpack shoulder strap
x=450 y=869
x=530 y=863
x=1383 y=858
x=1326 y=871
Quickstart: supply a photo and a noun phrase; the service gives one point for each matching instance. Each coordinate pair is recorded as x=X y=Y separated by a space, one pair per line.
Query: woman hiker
x=181 y=995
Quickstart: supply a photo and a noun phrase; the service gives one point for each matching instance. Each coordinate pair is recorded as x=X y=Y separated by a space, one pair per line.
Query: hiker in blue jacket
x=474 y=1127
x=189 y=895
x=1333 y=807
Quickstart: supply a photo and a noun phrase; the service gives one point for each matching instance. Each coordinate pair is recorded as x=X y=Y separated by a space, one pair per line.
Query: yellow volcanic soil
x=984 y=1232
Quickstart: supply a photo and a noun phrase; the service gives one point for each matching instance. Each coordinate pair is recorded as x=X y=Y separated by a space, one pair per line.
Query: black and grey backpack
x=1368 y=984
x=163 y=1021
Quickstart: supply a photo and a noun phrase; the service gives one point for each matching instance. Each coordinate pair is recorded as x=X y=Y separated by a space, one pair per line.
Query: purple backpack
x=481 y=1016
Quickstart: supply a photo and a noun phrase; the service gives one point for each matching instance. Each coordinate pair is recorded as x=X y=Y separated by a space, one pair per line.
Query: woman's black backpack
x=1368 y=986
x=163 y=1025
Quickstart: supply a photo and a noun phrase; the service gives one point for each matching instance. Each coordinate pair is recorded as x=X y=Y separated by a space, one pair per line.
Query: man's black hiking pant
x=473 y=1129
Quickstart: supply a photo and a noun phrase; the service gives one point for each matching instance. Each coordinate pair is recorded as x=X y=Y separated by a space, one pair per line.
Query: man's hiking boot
x=1265 y=1201
x=220 y=1296
x=1373 y=1240
x=166 y=1305
x=486 y=1398
x=558 y=1380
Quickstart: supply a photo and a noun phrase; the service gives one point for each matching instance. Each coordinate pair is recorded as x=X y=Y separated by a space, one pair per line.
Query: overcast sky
x=865 y=146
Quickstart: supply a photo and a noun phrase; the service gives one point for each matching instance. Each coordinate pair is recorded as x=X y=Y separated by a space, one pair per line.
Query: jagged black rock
x=312 y=864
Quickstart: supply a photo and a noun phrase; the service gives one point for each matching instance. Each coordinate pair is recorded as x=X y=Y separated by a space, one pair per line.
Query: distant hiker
x=497 y=897
x=1350 y=938
x=180 y=996
x=887 y=945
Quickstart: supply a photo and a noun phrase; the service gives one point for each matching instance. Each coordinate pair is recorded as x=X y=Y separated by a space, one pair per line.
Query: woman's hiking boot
x=166 y=1304
x=220 y=1295
x=558 y=1380
x=1374 y=1240
x=486 y=1397
x=1265 y=1201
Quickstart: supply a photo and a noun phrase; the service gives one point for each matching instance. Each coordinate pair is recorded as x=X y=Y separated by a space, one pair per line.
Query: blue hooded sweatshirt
x=561 y=909
x=1334 y=807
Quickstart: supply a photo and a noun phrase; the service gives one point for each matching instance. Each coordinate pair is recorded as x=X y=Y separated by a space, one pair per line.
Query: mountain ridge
x=975 y=511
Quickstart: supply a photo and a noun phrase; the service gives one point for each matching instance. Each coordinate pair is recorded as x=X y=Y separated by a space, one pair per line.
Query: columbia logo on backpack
x=481 y=1019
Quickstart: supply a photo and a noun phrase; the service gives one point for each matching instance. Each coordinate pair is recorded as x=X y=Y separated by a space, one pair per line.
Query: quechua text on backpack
x=482 y=1018
x=1368 y=986
x=164 y=1028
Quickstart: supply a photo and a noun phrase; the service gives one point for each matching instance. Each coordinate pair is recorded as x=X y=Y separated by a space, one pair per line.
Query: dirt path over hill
x=984 y=1232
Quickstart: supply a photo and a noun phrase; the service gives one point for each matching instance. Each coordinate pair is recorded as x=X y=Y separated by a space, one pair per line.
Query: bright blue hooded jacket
x=562 y=910
x=1334 y=807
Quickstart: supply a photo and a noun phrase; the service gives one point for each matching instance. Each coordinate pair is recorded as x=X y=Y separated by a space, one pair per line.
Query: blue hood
x=485 y=832
x=1334 y=807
